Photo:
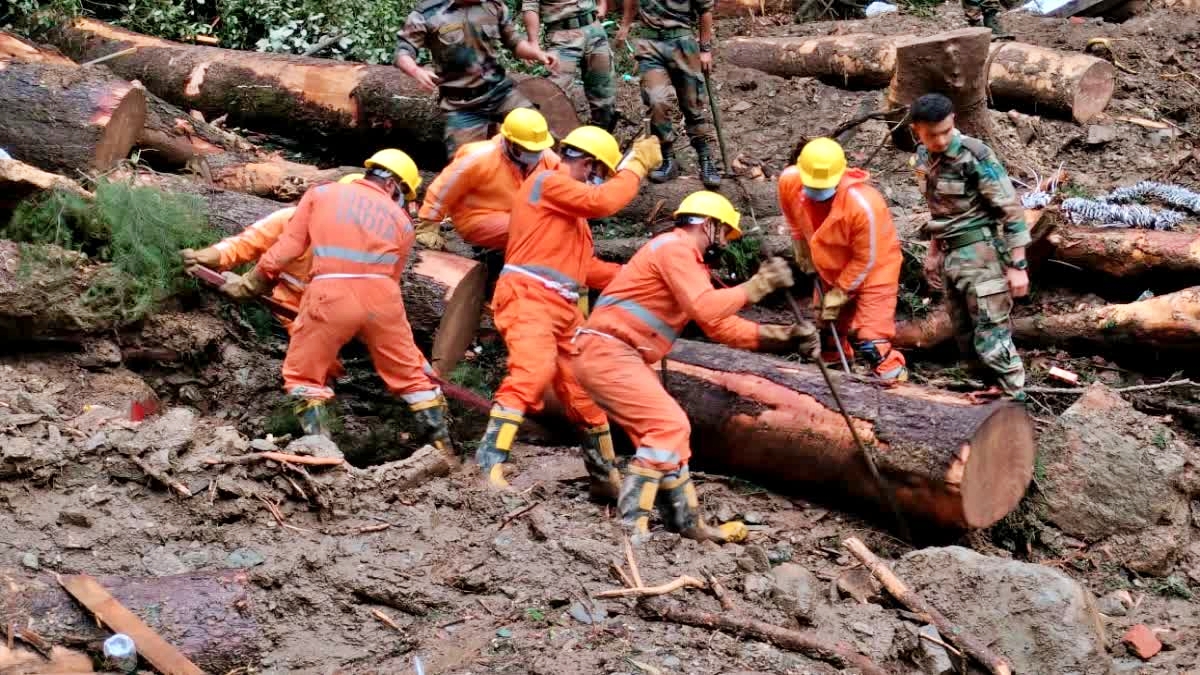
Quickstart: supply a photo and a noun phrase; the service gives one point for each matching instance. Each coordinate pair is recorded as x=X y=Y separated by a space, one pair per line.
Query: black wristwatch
x=1021 y=264
x=706 y=46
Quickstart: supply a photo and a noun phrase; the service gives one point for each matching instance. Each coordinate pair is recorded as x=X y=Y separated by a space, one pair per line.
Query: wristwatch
x=1021 y=264
x=706 y=46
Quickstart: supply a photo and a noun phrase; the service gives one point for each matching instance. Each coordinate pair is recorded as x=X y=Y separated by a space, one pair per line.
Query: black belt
x=964 y=239
x=666 y=33
x=465 y=93
x=577 y=21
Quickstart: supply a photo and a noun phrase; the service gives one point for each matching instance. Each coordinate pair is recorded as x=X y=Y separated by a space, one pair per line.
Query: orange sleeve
x=789 y=191
x=295 y=238
x=869 y=218
x=733 y=331
x=600 y=273
x=689 y=282
x=449 y=187
x=253 y=241
x=573 y=198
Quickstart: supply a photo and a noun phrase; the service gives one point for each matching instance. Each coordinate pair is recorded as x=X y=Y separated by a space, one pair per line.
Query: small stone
x=76 y=518
x=1099 y=134
x=97 y=440
x=580 y=613
x=1142 y=641
x=160 y=562
x=781 y=553
x=756 y=586
x=1111 y=604
x=244 y=558
x=860 y=627
x=30 y=560
x=725 y=513
x=740 y=106
x=17 y=447
x=227 y=441
x=754 y=559
x=795 y=591
x=672 y=661
x=859 y=584
x=931 y=656
x=504 y=633
x=317 y=446
x=195 y=559
x=262 y=445
x=753 y=518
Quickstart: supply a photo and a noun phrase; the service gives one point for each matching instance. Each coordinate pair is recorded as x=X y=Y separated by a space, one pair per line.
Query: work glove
x=247 y=286
x=774 y=273
x=831 y=306
x=644 y=157
x=799 y=337
x=429 y=235
x=208 y=257
x=803 y=256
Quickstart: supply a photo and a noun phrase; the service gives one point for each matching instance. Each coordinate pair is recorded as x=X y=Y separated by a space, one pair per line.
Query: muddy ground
x=472 y=591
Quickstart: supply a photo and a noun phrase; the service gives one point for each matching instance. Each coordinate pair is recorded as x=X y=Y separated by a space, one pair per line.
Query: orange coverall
x=549 y=260
x=476 y=192
x=637 y=319
x=855 y=248
x=360 y=240
x=255 y=240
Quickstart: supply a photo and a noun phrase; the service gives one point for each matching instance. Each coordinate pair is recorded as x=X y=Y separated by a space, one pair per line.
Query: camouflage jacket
x=665 y=14
x=966 y=188
x=463 y=40
x=558 y=10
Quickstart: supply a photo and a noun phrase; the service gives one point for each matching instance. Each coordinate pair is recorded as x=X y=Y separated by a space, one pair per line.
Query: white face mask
x=820 y=195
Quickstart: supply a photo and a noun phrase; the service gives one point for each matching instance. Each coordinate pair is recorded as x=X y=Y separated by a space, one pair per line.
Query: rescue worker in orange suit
x=360 y=237
x=476 y=190
x=637 y=319
x=842 y=231
x=548 y=263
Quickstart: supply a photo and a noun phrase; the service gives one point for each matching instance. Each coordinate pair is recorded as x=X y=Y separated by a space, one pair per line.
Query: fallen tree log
x=207 y=617
x=318 y=99
x=620 y=250
x=19 y=181
x=733 y=9
x=1127 y=253
x=952 y=463
x=15 y=48
x=660 y=199
x=67 y=119
x=951 y=63
x=1023 y=76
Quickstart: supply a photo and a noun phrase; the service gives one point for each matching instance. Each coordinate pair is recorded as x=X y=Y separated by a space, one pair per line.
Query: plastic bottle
x=120 y=653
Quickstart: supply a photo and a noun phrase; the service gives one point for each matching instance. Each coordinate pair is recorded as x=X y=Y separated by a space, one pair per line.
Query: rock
x=931 y=656
x=30 y=560
x=1038 y=617
x=244 y=558
x=670 y=661
x=263 y=445
x=753 y=518
x=585 y=615
x=725 y=513
x=160 y=562
x=754 y=559
x=1116 y=603
x=17 y=448
x=196 y=559
x=164 y=437
x=794 y=590
x=226 y=441
x=1100 y=134
x=1142 y=642
x=1111 y=472
x=783 y=552
x=756 y=586
x=76 y=518
x=860 y=627
x=317 y=446
x=860 y=584
x=740 y=106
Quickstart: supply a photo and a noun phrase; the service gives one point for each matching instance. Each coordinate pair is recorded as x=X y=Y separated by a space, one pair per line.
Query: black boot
x=669 y=170
x=680 y=509
x=636 y=501
x=992 y=20
x=710 y=174
x=314 y=417
x=600 y=460
x=432 y=415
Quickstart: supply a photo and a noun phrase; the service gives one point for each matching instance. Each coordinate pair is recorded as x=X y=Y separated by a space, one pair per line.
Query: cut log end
x=999 y=466
x=465 y=283
x=1095 y=89
x=122 y=128
x=554 y=104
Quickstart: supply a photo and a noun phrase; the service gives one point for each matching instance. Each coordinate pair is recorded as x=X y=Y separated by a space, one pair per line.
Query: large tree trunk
x=857 y=60
x=19 y=181
x=620 y=250
x=207 y=617
x=951 y=63
x=1128 y=253
x=15 y=48
x=733 y=9
x=444 y=296
x=267 y=176
x=317 y=99
x=67 y=119
x=660 y=199
x=1048 y=80
x=950 y=462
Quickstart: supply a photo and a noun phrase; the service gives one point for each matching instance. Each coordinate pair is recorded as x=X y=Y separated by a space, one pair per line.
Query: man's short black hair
x=931 y=109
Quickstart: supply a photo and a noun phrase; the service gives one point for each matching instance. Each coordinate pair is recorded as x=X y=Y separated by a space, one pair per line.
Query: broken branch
x=662 y=589
x=633 y=568
x=517 y=514
x=161 y=477
x=275 y=457
x=995 y=664
x=391 y=623
x=1136 y=387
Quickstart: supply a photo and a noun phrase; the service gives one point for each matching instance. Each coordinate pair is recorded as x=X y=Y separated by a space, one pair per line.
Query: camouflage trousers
x=980 y=303
x=674 y=64
x=977 y=10
x=474 y=122
x=585 y=53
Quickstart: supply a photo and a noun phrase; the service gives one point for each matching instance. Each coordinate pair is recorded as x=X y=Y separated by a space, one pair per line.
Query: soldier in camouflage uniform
x=984 y=12
x=669 y=56
x=462 y=37
x=575 y=36
x=978 y=233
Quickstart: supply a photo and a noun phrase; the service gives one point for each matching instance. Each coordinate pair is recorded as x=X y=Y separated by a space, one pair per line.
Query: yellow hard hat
x=712 y=205
x=527 y=128
x=351 y=177
x=596 y=142
x=822 y=163
x=399 y=164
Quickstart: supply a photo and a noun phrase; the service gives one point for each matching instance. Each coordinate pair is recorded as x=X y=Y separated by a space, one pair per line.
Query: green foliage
x=740 y=257
x=1173 y=586
x=535 y=615
x=34 y=17
x=483 y=373
x=139 y=230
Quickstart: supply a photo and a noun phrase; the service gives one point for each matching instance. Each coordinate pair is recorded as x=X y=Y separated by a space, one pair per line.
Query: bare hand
x=426 y=80
x=706 y=61
x=933 y=267
x=1018 y=282
x=550 y=60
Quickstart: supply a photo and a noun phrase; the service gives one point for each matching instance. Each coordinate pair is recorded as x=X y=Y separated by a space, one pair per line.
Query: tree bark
x=733 y=9
x=622 y=249
x=444 y=296
x=855 y=61
x=952 y=463
x=660 y=199
x=67 y=119
x=207 y=617
x=952 y=63
x=1128 y=253
x=15 y=48
x=1077 y=86
x=268 y=176
x=317 y=99
x=19 y=181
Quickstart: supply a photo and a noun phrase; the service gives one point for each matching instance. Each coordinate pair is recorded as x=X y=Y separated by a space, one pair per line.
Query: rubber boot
x=887 y=363
x=600 y=460
x=497 y=441
x=669 y=169
x=992 y=20
x=680 y=508
x=314 y=417
x=432 y=416
x=710 y=173
x=636 y=500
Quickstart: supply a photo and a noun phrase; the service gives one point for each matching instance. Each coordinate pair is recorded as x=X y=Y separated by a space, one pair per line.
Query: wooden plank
x=113 y=614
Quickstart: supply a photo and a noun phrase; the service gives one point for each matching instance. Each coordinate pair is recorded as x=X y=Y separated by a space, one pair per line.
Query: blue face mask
x=595 y=179
x=820 y=195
